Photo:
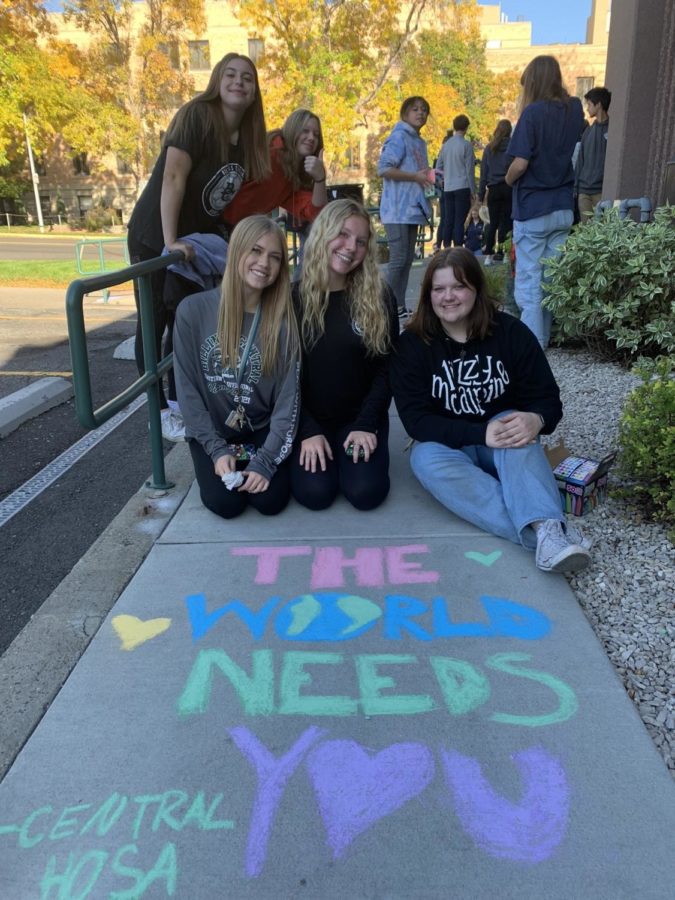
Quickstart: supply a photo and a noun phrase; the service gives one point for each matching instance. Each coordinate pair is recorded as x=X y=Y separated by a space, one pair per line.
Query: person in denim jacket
x=404 y=168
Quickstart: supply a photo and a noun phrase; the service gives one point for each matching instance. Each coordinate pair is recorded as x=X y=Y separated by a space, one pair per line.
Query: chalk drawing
x=527 y=831
x=336 y=617
x=370 y=566
x=485 y=559
x=356 y=787
x=133 y=631
x=463 y=688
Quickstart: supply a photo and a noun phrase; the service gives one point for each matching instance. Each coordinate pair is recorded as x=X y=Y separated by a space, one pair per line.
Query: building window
x=256 y=48
x=353 y=156
x=170 y=50
x=45 y=204
x=584 y=85
x=81 y=164
x=199 y=55
x=84 y=202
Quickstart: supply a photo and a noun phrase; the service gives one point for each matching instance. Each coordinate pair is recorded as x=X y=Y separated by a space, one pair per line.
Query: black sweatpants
x=364 y=484
x=499 y=206
x=139 y=252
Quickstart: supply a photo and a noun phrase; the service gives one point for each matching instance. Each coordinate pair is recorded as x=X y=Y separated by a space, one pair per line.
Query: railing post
x=159 y=481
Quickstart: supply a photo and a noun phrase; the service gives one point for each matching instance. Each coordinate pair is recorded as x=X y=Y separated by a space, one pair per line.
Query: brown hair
x=411 y=101
x=502 y=131
x=252 y=131
x=542 y=80
x=291 y=161
x=467 y=270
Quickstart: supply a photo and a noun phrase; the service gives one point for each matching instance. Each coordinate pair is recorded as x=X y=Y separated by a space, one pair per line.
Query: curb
x=30 y=401
x=39 y=660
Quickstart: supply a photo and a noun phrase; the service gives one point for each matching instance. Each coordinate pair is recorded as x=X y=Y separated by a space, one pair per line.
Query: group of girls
x=288 y=394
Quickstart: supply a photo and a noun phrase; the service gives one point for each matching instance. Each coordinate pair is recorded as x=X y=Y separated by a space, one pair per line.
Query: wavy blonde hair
x=291 y=161
x=364 y=288
x=278 y=334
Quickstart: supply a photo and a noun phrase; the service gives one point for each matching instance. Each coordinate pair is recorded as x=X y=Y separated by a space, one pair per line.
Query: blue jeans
x=536 y=240
x=500 y=491
x=401 y=239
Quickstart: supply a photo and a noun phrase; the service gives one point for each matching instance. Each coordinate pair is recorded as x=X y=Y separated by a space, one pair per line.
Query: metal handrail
x=148 y=382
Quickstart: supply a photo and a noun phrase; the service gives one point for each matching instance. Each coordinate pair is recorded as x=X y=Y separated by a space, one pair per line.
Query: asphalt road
x=22 y=247
x=41 y=544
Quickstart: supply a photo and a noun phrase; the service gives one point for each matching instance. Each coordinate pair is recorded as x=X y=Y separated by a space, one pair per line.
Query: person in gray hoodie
x=589 y=169
x=404 y=168
x=237 y=364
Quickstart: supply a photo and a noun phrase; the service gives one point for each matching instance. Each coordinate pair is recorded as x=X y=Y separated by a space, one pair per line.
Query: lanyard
x=244 y=356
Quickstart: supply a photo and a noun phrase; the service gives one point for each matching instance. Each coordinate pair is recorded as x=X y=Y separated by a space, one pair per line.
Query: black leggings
x=229 y=504
x=365 y=485
x=499 y=207
x=140 y=253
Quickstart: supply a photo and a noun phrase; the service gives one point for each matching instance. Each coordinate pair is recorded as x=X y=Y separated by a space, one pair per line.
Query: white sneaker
x=576 y=536
x=173 y=426
x=487 y=261
x=555 y=550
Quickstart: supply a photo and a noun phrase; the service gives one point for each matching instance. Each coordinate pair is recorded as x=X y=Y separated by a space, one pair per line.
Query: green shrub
x=647 y=439
x=98 y=218
x=613 y=286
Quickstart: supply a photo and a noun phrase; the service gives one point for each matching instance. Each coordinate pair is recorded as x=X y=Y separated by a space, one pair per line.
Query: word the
x=356 y=787
x=463 y=687
x=343 y=617
x=174 y=810
x=368 y=565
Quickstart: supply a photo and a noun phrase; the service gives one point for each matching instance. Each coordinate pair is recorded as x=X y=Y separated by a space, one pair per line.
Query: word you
x=463 y=687
x=356 y=787
x=343 y=617
x=122 y=817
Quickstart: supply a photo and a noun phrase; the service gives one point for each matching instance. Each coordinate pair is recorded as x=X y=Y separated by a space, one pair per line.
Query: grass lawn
x=46 y=273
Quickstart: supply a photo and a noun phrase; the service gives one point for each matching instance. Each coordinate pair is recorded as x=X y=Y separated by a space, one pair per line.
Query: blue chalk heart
x=485 y=559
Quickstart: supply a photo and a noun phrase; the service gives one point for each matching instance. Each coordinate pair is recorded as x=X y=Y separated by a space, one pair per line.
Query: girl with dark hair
x=542 y=177
x=404 y=168
x=214 y=142
x=493 y=170
x=348 y=327
x=237 y=372
x=474 y=389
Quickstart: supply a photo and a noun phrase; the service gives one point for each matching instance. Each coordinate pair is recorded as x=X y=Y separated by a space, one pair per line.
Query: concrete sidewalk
x=340 y=705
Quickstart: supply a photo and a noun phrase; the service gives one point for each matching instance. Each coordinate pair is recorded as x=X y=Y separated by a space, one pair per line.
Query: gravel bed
x=628 y=591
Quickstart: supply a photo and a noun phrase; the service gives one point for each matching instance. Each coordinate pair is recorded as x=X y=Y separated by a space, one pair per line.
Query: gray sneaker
x=576 y=536
x=556 y=552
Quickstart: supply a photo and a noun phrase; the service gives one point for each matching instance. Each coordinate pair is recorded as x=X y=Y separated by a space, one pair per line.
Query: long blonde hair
x=291 y=161
x=364 y=288
x=252 y=131
x=542 y=80
x=276 y=321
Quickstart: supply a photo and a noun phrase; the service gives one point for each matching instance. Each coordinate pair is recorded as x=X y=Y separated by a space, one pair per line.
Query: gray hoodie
x=206 y=390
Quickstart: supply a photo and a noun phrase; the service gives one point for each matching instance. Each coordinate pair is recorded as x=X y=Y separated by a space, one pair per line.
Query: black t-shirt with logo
x=211 y=184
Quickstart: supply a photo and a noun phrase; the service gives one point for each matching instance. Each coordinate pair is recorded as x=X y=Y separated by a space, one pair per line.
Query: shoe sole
x=574 y=559
x=173 y=438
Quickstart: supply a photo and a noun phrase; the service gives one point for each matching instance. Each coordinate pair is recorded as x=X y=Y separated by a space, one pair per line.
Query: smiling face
x=452 y=302
x=307 y=142
x=237 y=85
x=416 y=115
x=347 y=251
x=259 y=268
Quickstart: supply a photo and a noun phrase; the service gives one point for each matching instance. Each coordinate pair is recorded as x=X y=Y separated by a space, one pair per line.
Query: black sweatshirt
x=340 y=383
x=447 y=392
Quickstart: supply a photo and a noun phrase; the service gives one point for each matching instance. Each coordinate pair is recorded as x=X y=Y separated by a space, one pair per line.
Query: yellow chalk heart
x=134 y=631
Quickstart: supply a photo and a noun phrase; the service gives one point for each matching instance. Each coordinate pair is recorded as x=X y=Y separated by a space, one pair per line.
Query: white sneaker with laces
x=556 y=552
x=576 y=536
x=173 y=426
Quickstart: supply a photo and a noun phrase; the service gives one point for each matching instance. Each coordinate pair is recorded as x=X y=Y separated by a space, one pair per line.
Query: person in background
x=440 y=193
x=543 y=182
x=215 y=141
x=348 y=329
x=473 y=388
x=473 y=230
x=236 y=353
x=590 y=163
x=494 y=190
x=457 y=161
x=404 y=168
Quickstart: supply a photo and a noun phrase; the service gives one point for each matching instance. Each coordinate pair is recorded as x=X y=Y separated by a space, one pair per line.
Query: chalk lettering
x=202 y=622
x=371 y=683
x=66 y=824
x=567 y=701
x=294 y=676
x=528 y=831
x=106 y=815
x=464 y=687
x=273 y=774
x=267 y=569
x=255 y=692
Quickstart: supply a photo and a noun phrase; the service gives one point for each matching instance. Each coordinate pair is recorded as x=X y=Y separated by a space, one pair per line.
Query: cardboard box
x=582 y=481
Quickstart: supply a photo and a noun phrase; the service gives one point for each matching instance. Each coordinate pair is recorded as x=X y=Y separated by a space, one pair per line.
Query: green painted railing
x=100 y=245
x=154 y=370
